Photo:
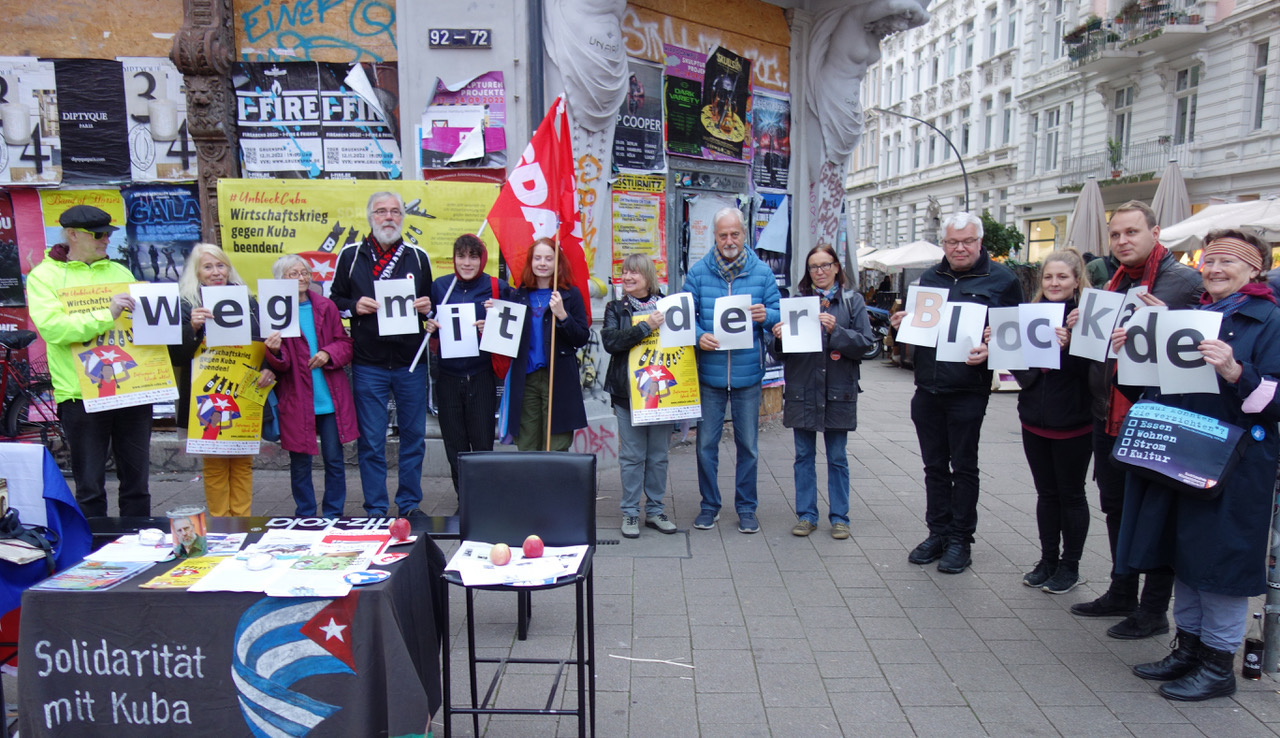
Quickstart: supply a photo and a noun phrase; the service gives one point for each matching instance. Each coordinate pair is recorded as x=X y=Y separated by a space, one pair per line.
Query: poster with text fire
x=263 y=220
x=664 y=382
x=112 y=371
x=225 y=415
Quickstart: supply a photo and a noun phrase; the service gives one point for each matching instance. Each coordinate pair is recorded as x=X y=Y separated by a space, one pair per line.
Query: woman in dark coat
x=1217 y=547
x=562 y=310
x=821 y=392
x=314 y=394
x=1057 y=437
x=642 y=449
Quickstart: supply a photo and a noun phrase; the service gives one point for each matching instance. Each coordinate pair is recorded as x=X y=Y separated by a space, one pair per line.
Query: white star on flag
x=221 y=404
x=321 y=270
x=333 y=630
x=109 y=356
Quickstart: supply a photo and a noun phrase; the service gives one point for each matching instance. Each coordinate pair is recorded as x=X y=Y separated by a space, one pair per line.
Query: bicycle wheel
x=32 y=412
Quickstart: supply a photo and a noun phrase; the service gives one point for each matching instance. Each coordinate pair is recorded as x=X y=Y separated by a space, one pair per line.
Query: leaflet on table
x=302 y=563
x=282 y=544
x=471 y=561
x=94 y=575
x=131 y=548
x=186 y=573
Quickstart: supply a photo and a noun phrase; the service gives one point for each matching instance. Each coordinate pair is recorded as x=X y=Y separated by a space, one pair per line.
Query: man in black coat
x=1135 y=244
x=951 y=398
x=380 y=367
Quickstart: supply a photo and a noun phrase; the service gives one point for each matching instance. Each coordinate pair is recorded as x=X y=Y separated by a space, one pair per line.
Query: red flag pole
x=551 y=355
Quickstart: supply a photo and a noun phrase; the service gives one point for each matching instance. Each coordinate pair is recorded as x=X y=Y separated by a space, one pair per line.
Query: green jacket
x=58 y=329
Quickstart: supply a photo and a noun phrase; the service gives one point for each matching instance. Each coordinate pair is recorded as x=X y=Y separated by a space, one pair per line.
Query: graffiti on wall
x=316 y=30
x=645 y=32
x=825 y=198
x=596 y=439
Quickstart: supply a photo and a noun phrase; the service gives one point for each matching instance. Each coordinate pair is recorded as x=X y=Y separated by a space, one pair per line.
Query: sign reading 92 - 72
x=459 y=38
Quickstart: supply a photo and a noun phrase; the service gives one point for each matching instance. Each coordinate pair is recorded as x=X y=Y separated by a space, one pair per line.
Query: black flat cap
x=87 y=217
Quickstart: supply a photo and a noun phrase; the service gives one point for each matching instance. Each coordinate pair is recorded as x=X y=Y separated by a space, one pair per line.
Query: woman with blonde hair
x=228 y=480
x=1057 y=437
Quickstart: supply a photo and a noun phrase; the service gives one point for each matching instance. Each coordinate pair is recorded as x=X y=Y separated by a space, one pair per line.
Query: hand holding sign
x=677 y=328
x=732 y=322
x=228 y=323
x=924 y=314
x=397 y=315
x=503 y=323
x=458 y=338
x=157 y=319
x=799 y=327
x=278 y=306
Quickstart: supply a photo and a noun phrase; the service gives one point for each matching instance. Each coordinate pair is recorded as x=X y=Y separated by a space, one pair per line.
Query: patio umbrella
x=914 y=254
x=1171 y=203
x=1262 y=216
x=1087 y=228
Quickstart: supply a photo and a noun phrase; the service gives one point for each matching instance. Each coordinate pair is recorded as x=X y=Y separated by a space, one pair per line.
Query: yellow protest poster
x=225 y=418
x=664 y=382
x=186 y=573
x=112 y=371
x=263 y=219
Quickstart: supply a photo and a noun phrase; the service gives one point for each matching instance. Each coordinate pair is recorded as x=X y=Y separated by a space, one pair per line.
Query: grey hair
x=959 y=221
x=725 y=213
x=642 y=264
x=284 y=263
x=368 y=208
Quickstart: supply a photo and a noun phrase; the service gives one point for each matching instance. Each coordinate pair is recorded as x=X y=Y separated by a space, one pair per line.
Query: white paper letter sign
x=1183 y=369
x=230 y=324
x=396 y=316
x=924 y=314
x=278 y=307
x=157 y=313
x=458 y=337
x=503 y=324
x=1132 y=303
x=732 y=319
x=1004 y=351
x=801 y=332
x=1091 y=336
x=1136 y=363
x=677 y=327
x=960 y=330
x=1039 y=340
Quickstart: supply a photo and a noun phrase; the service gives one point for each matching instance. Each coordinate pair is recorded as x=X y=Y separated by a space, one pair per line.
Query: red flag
x=540 y=200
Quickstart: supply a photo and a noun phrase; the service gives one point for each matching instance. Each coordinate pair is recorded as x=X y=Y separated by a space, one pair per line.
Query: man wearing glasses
x=380 y=367
x=79 y=261
x=951 y=398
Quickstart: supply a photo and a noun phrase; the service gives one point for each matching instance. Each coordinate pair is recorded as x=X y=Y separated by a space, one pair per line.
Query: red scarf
x=1142 y=275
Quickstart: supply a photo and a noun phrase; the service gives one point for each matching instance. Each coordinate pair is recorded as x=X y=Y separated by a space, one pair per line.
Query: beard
x=386 y=234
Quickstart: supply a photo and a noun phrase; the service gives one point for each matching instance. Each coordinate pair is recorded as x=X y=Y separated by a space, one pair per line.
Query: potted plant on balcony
x=1115 y=155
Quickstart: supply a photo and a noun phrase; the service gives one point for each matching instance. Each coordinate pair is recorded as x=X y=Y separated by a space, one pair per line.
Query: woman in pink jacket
x=314 y=393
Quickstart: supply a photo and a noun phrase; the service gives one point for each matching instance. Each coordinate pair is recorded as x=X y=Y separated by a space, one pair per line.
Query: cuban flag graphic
x=279 y=641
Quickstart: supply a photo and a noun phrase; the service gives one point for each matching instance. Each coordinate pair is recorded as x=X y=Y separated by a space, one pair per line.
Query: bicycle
x=28 y=411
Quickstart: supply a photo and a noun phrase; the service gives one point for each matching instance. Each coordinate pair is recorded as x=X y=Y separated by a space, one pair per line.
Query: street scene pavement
x=717 y=633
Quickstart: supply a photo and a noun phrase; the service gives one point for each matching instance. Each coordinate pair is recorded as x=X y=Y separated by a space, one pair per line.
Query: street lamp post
x=963 y=172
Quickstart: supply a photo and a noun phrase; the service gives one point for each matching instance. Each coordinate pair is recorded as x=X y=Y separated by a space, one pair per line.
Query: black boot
x=956 y=558
x=1213 y=677
x=1184 y=657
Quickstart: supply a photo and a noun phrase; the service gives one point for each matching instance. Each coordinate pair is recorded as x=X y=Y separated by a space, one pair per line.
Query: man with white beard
x=380 y=368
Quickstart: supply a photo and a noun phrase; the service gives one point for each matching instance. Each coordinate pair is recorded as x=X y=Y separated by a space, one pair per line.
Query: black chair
x=504 y=497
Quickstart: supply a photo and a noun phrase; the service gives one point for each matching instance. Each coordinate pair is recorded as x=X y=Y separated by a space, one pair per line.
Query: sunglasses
x=98 y=235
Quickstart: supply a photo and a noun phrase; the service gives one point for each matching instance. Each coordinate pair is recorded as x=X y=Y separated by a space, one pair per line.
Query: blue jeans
x=746 y=432
x=807 y=478
x=335 y=477
x=373 y=386
x=642 y=461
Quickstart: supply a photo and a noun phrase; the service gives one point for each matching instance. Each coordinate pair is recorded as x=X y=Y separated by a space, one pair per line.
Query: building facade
x=1062 y=91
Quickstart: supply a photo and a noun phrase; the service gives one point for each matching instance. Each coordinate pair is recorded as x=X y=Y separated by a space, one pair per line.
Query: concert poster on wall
x=637 y=137
x=163 y=225
x=725 y=91
x=160 y=147
x=682 y=92
x=771 y=134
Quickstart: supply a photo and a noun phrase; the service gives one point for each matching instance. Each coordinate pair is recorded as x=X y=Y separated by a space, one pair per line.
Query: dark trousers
x=127 y=433
x=1058 y=467
x=948 y=426
x=1110 y=478
x=335 y=473
x=466 y=407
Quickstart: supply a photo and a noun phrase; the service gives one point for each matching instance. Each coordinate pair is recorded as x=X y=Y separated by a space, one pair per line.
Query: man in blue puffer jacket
x=726 y=377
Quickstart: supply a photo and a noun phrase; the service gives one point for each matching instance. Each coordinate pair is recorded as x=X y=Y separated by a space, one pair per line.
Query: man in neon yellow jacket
x=79 y=261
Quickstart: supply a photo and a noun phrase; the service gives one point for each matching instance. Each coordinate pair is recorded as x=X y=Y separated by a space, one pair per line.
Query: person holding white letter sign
x=1135 y=241
x=729 y=270
x=1215 y=545
x=951 y=397
x=821 y=392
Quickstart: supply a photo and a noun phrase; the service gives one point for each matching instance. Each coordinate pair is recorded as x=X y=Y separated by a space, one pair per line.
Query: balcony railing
x=1127 y=30
x=1143 y=157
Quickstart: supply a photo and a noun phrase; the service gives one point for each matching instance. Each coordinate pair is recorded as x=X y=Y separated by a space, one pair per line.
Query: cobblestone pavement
x=716 y=633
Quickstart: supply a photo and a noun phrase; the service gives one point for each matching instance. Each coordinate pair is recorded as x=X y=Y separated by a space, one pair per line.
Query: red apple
x=532 y=547
x=500 y=554
x=400 y=529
